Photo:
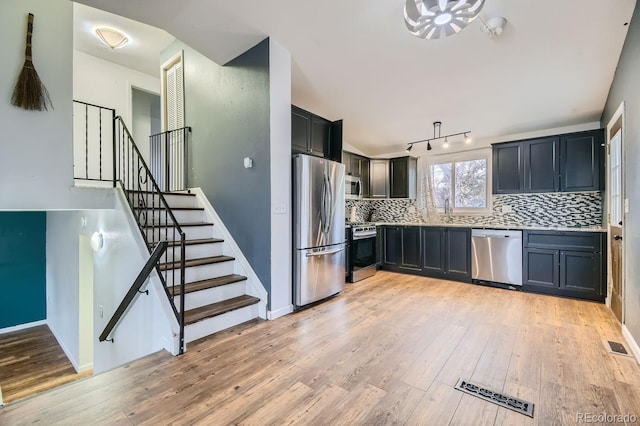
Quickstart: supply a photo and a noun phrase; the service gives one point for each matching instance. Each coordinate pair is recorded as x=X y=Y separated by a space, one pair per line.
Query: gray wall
x=626 y=87
x=228 y=110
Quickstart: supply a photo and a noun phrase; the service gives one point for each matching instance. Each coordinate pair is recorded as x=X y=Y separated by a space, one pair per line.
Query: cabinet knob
x=618 y=237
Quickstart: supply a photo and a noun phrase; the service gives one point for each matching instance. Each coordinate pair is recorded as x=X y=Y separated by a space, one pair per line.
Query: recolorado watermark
x=606 y=418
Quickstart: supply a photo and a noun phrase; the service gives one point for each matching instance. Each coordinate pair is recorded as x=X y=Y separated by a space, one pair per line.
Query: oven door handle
x=365 y=236
x=322 y=253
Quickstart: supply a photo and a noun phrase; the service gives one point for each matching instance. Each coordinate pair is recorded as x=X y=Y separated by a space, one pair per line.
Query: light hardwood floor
x=387 y=351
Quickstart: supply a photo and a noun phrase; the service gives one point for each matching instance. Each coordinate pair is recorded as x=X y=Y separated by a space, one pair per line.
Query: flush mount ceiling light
x=438 y=136
x=433 y=19
x=112 y=37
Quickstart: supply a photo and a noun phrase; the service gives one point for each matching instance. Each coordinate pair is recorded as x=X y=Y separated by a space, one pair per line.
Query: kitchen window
x=464 y=180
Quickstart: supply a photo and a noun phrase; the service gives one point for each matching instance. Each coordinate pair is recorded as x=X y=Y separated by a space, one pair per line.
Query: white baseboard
x=271 y=315
x=85 y=367
x=22 y=326
x=633 y=345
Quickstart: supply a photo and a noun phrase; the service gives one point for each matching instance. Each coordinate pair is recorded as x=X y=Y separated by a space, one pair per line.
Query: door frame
x=618 y=115
x=177 y=58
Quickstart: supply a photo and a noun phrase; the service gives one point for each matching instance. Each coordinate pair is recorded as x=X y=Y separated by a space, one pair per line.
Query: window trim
x=476 y=154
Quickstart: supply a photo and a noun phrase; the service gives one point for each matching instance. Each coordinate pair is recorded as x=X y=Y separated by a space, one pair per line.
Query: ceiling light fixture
x=111 y=37
x=493 y=26
x=434 y=19
x=436 y=136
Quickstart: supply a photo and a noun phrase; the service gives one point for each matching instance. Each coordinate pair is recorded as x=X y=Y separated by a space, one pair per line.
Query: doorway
x=616 y=209
x=146 y=119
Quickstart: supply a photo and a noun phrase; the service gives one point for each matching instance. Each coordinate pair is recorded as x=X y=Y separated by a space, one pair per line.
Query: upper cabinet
x=581 y=161
x=570 y=162
x=357 y=165
x=314 y=135
x=379 y=178
x=403 y=177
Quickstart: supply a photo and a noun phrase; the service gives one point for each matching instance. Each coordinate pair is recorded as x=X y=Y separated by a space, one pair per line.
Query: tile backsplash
x=574 y=209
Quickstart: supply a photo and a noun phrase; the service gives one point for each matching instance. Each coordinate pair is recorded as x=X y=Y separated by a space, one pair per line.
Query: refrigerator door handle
x=323 y=253
x=330 y=206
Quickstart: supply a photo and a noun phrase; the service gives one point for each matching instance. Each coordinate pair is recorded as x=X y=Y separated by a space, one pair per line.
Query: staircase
x=216 y=294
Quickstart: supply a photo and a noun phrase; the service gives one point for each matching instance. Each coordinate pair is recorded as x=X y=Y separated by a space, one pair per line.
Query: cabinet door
x=379 y=182
x=364 y=176
x=507 y=172
x=300 y=130
x=334 y=150
x=541 y=268
x=320 y=130
x=580 y=272
x=458 y=253
x=355 y=165
x=399 y=177
x=580 y=161
x=391 y=245
x=541 y=164
x=433 y=251
x=346 y=160
x=410 y=247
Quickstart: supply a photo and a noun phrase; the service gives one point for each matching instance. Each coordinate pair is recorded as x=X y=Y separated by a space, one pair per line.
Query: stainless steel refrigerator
x=318 y=229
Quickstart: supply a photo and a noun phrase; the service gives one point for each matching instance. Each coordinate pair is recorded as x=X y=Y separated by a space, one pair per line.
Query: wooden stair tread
x=192 y=242
x=196 y=262
x=219 y=308
x=182 y=225
x=206 y=284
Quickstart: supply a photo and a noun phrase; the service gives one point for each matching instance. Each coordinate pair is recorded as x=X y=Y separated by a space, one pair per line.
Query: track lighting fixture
x=437 y=136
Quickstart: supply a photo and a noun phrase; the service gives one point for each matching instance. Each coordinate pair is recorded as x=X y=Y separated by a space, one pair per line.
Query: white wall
x=36 y=160
x=104 y=83
x=85 y=300
x=280 y=128
x=143 y=330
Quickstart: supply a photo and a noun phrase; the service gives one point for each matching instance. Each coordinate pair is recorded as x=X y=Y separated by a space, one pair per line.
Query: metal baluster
x=86 y=141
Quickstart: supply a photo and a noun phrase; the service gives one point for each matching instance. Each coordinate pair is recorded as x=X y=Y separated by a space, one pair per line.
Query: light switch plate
x=626 y=205
x=280 y=208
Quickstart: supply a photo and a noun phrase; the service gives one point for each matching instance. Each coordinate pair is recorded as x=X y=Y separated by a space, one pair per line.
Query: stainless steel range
x=362 y=251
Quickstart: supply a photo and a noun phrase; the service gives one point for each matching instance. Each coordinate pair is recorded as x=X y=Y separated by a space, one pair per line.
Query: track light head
x=410 y=147
x=428 y=146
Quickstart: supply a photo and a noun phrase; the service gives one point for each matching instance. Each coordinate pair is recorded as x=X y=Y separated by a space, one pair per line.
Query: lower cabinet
x=565 y=264
x=441 y=252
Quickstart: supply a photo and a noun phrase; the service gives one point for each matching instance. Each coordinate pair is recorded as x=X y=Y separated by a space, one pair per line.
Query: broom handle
x=27 y=52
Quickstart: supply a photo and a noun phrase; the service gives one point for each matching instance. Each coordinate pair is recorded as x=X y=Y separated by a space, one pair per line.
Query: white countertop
x=514 y=227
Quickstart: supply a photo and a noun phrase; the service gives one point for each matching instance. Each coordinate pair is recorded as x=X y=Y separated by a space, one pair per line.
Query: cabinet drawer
x=569 y=240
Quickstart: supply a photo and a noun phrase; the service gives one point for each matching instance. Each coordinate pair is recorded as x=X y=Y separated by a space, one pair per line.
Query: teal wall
x=23 y=237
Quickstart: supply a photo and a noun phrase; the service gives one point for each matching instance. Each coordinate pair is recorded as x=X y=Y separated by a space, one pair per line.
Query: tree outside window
x=464 y=182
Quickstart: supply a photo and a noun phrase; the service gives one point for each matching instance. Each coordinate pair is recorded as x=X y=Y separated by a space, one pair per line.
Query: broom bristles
x=30 y=93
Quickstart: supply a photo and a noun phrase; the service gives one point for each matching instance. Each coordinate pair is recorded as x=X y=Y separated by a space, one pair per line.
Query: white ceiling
x=142 y=53
x=355 y=60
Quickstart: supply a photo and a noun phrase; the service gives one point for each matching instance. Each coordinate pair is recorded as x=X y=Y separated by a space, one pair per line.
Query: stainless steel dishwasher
x=496 y=256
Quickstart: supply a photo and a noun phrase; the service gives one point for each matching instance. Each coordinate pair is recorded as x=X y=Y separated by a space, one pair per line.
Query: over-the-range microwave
x=352 y=187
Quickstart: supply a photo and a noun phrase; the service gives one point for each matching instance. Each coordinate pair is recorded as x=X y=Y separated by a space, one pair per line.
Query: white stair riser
x=196 y=251
x=221 y=322
x=159 y=216
x=149 y=200
x=212 y=295
x=190 y=233
x=199 y=273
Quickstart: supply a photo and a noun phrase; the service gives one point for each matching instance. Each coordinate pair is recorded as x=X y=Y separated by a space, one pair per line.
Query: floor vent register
x=506 y=401
x=617 y=348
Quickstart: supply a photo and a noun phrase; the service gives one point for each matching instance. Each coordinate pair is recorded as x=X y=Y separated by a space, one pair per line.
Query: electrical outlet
x=280 y=208
x=100 y=311
x=411 y=209
x=507 y=209
x=626 y=205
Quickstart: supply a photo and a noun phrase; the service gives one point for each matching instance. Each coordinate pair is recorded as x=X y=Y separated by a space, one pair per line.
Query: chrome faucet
x=448 y=211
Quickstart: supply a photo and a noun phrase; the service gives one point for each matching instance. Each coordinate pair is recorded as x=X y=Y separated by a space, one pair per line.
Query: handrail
x=169 y=152
x=84 y=168
x=135 y=288
x=155 y=218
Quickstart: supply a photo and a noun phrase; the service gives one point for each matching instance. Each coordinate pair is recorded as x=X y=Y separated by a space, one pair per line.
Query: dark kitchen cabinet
x=565 y=264
x=403 y=177
x=314 y=135
x=441 y=252
x=568 y=163
x=508 y=175
x=541 y=165
x=357 y=165
x=447 y=253
x=401 y=247
x=582 y=163
x=378 y=178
